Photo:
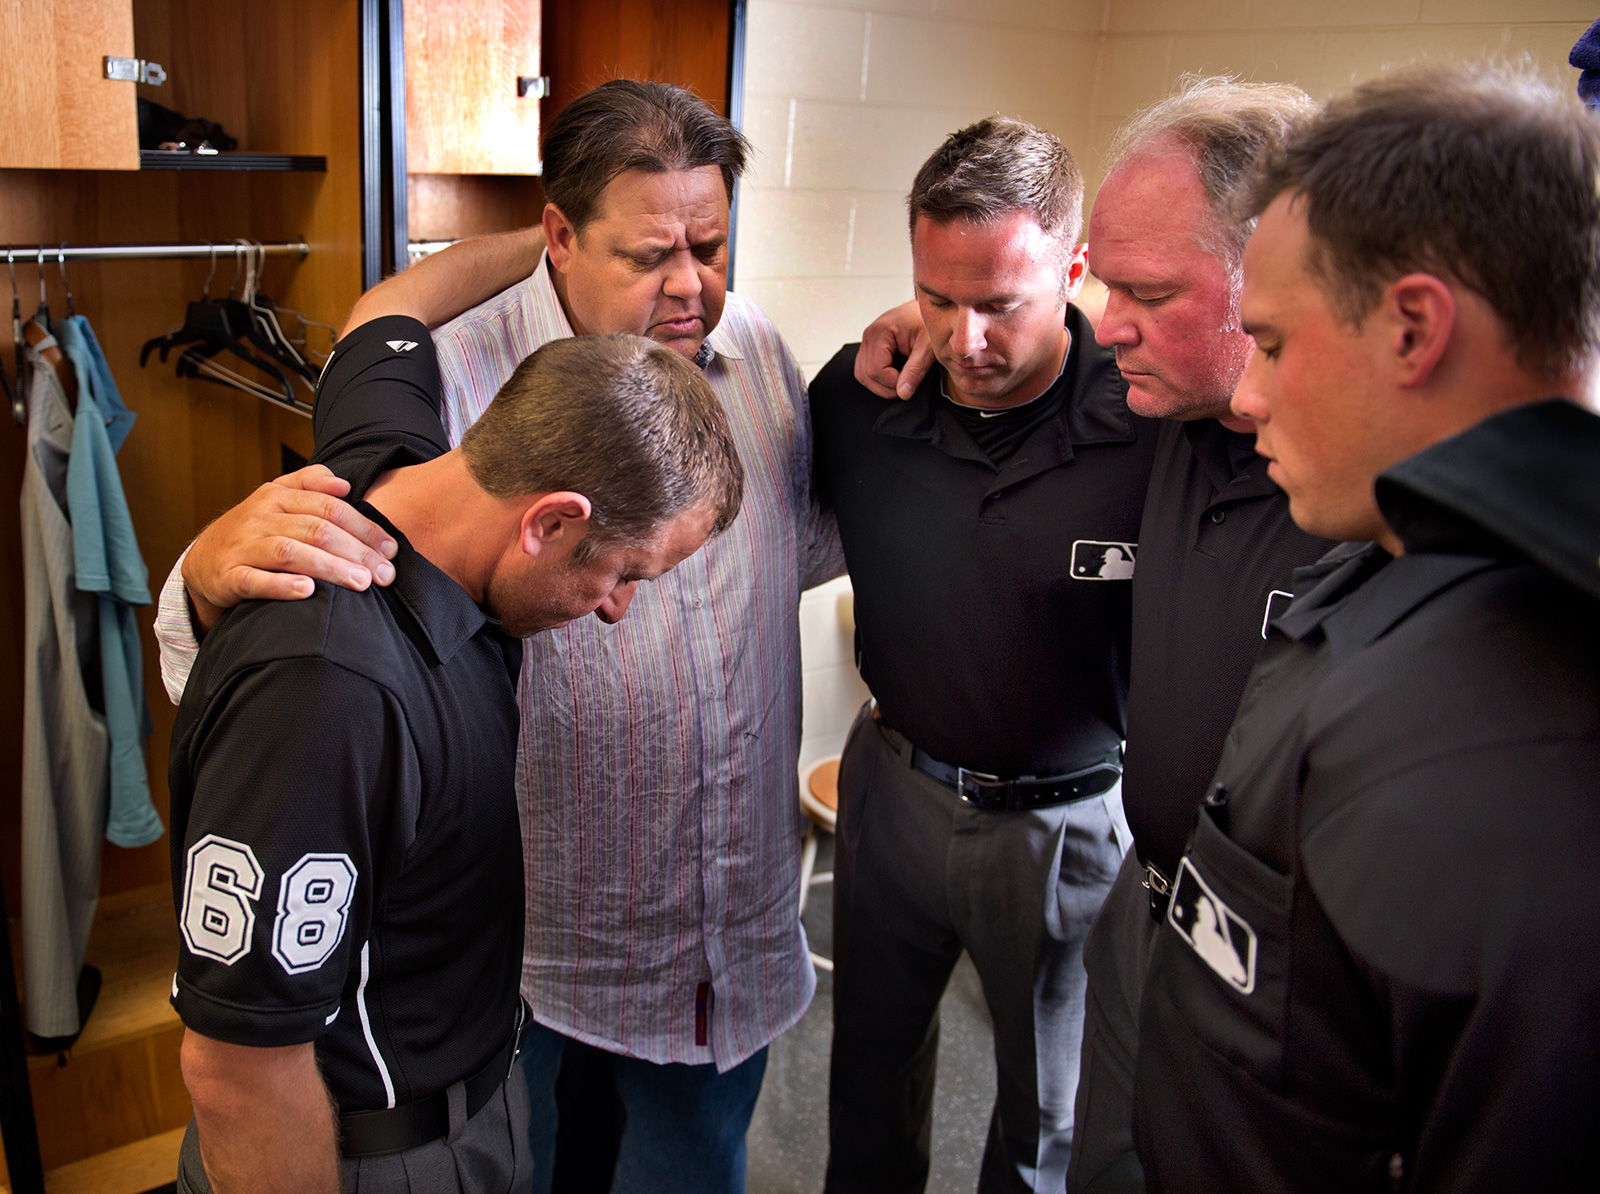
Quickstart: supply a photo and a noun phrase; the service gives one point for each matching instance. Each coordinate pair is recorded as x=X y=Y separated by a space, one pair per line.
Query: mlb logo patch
x=1213 y=930
x=1096 y=560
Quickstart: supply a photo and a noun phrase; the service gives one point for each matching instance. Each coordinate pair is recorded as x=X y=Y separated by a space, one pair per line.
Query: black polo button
x=1218 y=515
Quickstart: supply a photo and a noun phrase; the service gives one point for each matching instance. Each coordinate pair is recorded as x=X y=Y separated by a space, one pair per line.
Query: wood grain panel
x=463 y=114
x=450 y=206
x=672 y=41
x=60 y=109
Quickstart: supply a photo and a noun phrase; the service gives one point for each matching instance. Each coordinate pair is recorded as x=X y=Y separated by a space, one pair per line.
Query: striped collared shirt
x=660 y=817
x=656 y=764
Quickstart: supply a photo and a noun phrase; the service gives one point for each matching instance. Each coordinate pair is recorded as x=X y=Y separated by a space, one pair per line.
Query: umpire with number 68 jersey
x=346 y=857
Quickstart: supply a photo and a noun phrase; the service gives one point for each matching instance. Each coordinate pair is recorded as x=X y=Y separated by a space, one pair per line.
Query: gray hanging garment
x=64 y=741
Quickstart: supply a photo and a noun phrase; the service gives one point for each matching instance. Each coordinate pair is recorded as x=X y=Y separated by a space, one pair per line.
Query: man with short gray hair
x=989 y=526
x=1217 y=547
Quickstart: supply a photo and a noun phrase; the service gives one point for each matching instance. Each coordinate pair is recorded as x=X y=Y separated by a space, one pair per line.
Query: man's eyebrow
x=988 y=300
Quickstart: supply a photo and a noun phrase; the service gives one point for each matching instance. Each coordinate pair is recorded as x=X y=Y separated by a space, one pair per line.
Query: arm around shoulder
x=438 y=288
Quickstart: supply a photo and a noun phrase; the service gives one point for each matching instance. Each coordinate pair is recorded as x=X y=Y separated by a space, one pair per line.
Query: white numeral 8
x=313 y=900
x=221 y=883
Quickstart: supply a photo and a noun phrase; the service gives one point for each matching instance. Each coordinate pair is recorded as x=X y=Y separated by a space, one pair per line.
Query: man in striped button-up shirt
x=657 y=759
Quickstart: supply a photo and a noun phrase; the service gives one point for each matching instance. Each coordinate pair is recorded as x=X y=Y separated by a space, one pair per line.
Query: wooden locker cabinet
x=284 y=77
x=57 y=109
x=463 y=111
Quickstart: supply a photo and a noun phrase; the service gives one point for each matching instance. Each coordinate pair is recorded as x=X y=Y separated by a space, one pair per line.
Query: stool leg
x=808 y=862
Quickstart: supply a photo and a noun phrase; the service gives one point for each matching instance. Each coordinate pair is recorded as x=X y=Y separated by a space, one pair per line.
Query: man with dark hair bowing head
x=345 y=848
x=656 y=777
x=1380 y=962
x=989 y=524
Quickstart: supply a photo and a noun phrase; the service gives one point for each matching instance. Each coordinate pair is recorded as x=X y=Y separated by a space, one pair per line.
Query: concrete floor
x=788 y=1138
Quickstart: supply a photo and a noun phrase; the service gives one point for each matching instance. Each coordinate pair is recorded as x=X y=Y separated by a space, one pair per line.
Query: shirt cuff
x=175 y=633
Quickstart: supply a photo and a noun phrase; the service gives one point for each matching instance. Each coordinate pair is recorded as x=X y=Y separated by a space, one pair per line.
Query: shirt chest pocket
x=1229 y=979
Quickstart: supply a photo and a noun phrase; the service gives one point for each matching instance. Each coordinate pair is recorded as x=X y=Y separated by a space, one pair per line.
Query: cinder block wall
x=844 y=99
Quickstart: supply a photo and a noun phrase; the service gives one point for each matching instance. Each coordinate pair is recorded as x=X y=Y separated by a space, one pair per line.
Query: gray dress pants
x=1117 y=957
x=918 y=876
x=487 y=1154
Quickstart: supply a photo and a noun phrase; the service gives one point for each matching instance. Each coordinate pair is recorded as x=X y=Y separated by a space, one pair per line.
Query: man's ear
x=553 y=521
x=560 y=237
x=1077 y=271
x=1421 y=312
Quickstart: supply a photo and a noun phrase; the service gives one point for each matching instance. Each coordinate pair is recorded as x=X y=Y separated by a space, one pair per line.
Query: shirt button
x=1218 y=515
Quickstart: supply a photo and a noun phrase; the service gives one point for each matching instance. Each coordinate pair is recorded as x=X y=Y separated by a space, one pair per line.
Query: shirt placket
x=707 y=667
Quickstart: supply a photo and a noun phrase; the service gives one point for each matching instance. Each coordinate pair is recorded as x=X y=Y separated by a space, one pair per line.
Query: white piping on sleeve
x=366 y=1027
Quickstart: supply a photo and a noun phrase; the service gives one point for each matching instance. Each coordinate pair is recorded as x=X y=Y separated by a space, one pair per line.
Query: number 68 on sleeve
x=222 y=883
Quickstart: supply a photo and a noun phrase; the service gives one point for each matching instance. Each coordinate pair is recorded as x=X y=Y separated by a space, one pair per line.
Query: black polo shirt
x=346 y=857
x=991 y=602
x=1381 y=962
x=1216 y=548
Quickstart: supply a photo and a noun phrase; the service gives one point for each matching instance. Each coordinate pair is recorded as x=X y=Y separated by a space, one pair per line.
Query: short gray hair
x=997 y=166
x=1228 y=126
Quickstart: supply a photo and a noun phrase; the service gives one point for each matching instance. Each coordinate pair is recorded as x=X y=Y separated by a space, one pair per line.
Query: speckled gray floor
x=788 y=1138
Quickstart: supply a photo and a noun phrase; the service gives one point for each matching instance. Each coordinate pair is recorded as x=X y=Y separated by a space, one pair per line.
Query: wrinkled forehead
x=1154 y=200
x=644 y=199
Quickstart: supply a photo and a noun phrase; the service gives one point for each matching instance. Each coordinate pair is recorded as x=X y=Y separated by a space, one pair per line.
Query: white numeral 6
x=221 y=883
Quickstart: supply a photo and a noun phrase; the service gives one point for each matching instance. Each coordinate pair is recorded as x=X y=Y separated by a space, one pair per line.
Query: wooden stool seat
x=819 y=795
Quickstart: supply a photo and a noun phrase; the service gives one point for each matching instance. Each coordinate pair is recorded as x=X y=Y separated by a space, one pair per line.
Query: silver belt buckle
x=962 y=775
x=1155 y=881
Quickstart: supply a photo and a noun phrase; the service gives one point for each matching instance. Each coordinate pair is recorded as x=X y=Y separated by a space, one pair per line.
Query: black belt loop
x=395 y=1129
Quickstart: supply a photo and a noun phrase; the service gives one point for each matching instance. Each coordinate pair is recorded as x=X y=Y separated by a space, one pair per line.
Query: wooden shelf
x=111 y=1114
x=172 y=159
x=132 y=1169
x=135 y=946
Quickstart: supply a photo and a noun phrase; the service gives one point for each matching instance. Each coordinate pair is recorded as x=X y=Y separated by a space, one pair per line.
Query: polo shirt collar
x=551 y=319
x=1211 y=443
x=1523 y=484
x=1326 y=605
x=1096 y=413
x=436 y=613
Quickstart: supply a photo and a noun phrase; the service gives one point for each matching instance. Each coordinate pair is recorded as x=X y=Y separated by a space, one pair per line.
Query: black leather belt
x=1025 y=792
x=395 y=1129
x=993 y=794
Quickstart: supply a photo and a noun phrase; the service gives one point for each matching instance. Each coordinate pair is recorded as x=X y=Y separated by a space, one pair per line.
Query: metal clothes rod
x=26 y=254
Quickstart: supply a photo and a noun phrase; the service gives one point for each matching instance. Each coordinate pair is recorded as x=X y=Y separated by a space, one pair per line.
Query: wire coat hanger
x=19 y=402
x=61 y=264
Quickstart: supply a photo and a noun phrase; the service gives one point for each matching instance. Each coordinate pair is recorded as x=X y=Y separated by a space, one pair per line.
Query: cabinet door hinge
x=135 y=70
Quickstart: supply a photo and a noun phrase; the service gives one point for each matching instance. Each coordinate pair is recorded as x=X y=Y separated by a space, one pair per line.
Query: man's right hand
x=897 y=332
x=275 y=542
